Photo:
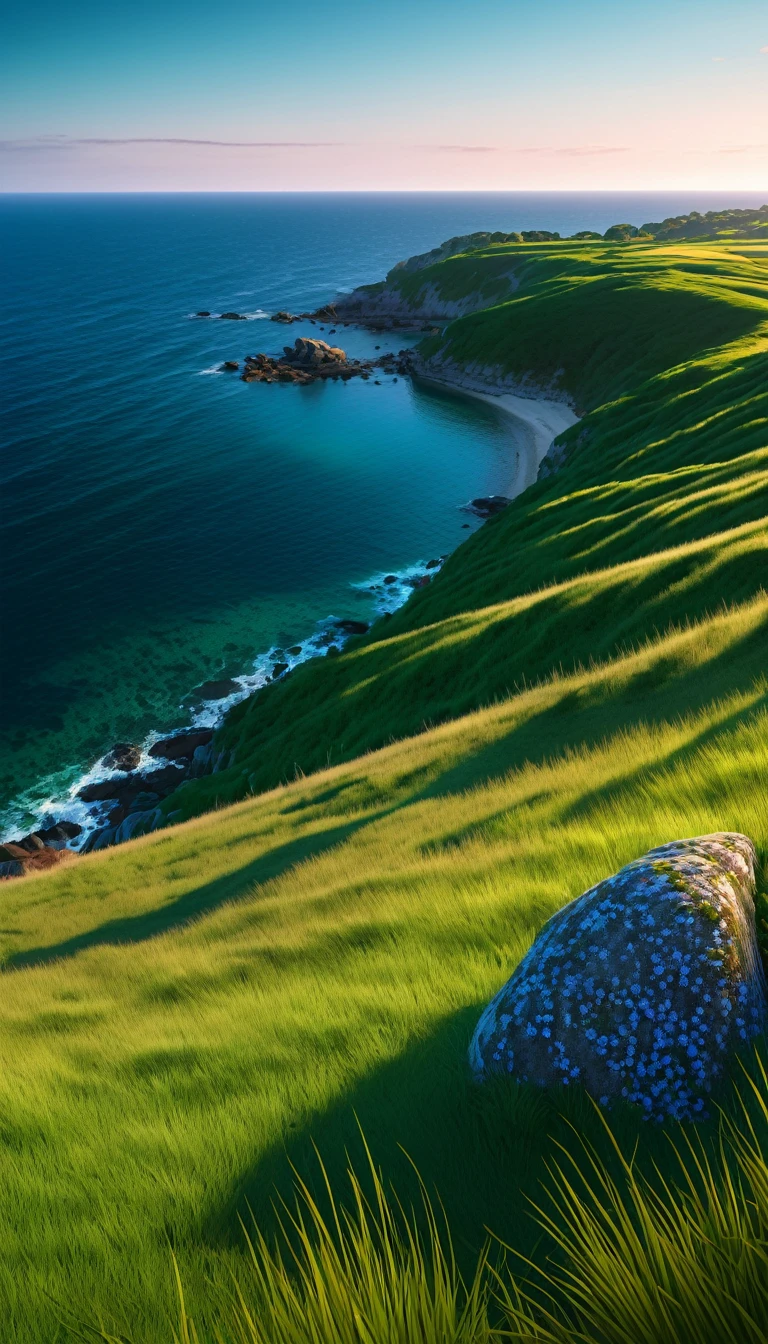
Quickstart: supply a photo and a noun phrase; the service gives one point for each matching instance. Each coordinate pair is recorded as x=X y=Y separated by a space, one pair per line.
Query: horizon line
x=369 y=191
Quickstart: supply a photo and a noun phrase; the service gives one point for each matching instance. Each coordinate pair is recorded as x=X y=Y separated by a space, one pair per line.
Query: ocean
x=165 y=523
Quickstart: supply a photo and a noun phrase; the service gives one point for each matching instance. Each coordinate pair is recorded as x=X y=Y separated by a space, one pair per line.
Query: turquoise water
x=166 y=524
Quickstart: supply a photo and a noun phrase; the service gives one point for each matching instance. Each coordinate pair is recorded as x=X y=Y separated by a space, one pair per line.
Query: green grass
x=184 y=1015
x=624 y=1258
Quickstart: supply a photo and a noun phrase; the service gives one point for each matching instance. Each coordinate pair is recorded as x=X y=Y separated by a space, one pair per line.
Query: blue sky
x=428 y=93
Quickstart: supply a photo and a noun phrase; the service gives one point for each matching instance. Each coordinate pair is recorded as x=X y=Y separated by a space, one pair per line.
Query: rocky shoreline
x=119 y=798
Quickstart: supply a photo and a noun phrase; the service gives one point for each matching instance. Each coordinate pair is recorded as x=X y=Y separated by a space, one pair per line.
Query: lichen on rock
x=642 y=988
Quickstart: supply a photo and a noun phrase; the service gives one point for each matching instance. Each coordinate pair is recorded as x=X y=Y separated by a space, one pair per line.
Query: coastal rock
x=216 y=690
x=283 y=316
x=11 y=852
x=20 y=862
x=182 y=745
x=123 y=756
x=349 y=627
x=232 y=317
x=103 y=790
x=143 y=802
x=310 y=352
x=31 y=843
x=640 y=989
x=489 y=505
x=230 y=366
x=100 y=839
x=138 y=823
x=278 y=670
x=126 y=788
x=203 y=313
x=202 y=758
x=163 y=781
x=59 y=835
x=68 y=830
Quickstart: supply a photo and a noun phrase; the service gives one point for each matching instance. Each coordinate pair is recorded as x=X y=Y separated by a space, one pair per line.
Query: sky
x=103 y=95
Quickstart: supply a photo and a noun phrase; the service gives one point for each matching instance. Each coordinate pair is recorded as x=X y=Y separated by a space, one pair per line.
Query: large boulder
x=310 y=353
x=643 y=987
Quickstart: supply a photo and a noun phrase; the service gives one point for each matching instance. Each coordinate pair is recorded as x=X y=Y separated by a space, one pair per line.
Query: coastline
x=388 y=590
x=535 y=422
x=538 y=421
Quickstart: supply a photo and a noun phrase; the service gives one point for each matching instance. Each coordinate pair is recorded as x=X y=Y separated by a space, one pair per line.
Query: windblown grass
x=181 y=1015
x=625 y=1258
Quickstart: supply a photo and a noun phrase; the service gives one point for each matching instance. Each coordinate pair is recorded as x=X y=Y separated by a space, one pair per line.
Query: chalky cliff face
x=642 y=987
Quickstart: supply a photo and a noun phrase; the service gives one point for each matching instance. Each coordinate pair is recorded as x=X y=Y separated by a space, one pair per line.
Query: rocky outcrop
x=304 y=362
x=477 y=377
x=350 y=627
x=466 y=242
x=216 y=690
x=123 y=756
x=125 y=789
x=559 y=454
x=18 y=861
x=385 y=305
x=181 y=746
x=640 y=989
x=488 y=505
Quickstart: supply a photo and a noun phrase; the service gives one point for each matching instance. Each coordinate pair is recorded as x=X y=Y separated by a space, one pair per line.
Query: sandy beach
x=537 y=422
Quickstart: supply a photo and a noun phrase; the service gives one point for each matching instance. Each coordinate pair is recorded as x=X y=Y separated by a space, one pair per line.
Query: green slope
x=183 y=1013
x=186 y=1011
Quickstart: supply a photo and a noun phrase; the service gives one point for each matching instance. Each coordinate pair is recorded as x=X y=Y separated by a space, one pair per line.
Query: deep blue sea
x=164 y=523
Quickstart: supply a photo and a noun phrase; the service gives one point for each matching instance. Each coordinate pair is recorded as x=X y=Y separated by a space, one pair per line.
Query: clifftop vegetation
x=715 y=224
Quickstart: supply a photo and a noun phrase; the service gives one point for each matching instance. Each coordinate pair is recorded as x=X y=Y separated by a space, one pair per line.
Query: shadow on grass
x=482 y=1150
x=202 y=900
x=485 y=1153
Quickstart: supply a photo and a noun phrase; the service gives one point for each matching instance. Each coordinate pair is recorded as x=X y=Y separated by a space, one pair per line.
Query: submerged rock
x=216 y=690
x=123 y=756
x=643 y=987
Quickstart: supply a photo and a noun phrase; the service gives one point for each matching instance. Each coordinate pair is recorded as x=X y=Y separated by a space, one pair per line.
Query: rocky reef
x=309 y=360
x=303 y=362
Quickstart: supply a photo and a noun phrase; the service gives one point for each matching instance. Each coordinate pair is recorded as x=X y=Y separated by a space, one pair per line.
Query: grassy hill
x=585 y=678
